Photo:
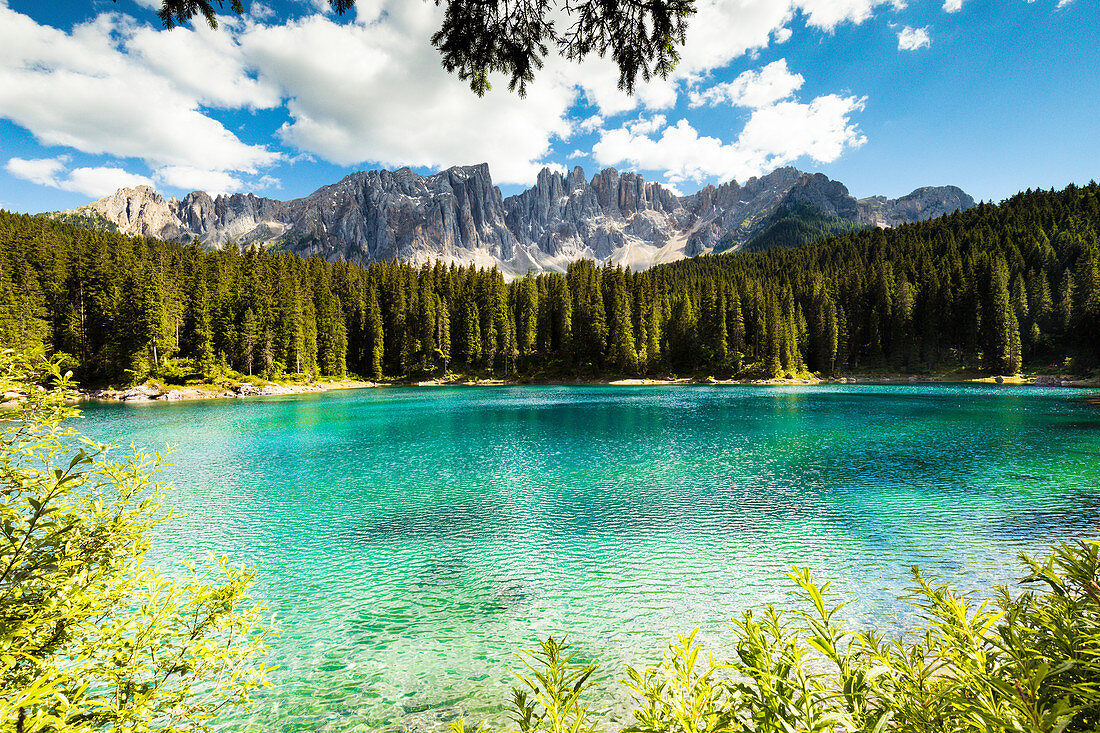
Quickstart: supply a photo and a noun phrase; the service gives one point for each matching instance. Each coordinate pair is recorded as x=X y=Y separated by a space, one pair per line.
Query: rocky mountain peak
x=458 y=215
x=140 y=211
x=926 y=202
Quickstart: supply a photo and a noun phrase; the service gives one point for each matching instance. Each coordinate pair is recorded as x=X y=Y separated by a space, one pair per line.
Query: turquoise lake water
x=410 y=540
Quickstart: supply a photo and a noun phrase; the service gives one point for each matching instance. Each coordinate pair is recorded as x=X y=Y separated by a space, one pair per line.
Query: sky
x=993 y=96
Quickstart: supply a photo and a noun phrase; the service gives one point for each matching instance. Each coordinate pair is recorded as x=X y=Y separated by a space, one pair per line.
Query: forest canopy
x=990 y=288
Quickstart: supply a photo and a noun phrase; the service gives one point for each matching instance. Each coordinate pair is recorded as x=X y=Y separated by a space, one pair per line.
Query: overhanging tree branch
x=512 y=37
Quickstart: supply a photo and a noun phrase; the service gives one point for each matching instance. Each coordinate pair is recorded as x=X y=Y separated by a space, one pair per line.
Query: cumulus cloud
x=190 y=178
x=775 y=135
x=115 y=87
x=395 y=105
x=752 y=88
x=42 y=171
x=645 y=125
x=911 y=39
x=828 y=14
x=590 y=124
x=92 y=181
x=203 y=63
x=102 y=180
x=85 y=90
x=952 y=6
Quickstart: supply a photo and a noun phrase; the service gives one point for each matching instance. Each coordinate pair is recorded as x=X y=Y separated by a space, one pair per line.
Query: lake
x=410 y=540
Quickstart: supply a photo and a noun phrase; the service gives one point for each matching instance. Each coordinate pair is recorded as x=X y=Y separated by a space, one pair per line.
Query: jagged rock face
x=565 y=217
x=924 y=203
x=455 y=215
x=139 y=211
x=459 y=216
x=243 y=217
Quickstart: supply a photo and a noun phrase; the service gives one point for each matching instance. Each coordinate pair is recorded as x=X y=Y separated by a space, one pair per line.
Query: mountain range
x=459 y=216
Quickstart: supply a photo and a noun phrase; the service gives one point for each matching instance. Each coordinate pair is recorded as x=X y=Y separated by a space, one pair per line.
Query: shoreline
x=147 y=393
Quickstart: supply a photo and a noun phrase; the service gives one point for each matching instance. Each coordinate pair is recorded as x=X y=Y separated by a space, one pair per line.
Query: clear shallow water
x=410 y=540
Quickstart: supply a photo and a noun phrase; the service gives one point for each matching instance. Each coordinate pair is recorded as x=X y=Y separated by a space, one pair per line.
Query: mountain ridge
x=457 y=215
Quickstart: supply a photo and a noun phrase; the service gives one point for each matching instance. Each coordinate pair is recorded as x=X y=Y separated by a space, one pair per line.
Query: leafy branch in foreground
x=512 y=37
x=1027 y=662
x=91 y=638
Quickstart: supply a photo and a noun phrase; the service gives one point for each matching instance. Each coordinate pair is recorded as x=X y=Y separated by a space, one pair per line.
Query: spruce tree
x=1003 y=353
x=374 y=334
x=527 y=316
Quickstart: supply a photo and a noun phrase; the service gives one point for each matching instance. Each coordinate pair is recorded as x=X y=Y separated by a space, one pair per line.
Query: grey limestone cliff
x=459 y=216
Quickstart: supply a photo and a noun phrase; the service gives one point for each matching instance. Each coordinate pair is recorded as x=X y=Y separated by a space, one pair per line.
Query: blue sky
x=884 y=95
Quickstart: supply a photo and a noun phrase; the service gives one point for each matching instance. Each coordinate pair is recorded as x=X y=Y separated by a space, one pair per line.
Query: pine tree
x=527 y=316
x=375 y=336
x=773 y=338
x=198 y=322
x=443 y=334
x=248 y=338
x=831 y=333
x=654 y=332
x=589 y=320
x=620 y=348
x=735 y=327
x=1003 y=335
x=1086 y=317
x=469 y=345
x=683 y=336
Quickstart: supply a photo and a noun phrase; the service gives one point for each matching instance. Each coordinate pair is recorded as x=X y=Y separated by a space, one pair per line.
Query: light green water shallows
x=410 y=540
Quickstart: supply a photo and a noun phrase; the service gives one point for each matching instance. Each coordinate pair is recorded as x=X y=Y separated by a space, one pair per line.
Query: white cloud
x=672 y=187
x=395 y=105
x=103 y=180
x=577 y=154
x=204 y=63
x=911 y=39
x=828 y=14
x=719 y=32
x=259 y=11
x=190 y=178
x=83 y=90
x=952 y=6
x=267 y=183
x=777 y=135
x=645 y=126
x=366 y=90
x=723 y=30
x=590 y=124
x=95 y=182
x=1063 y=3
x=42 y=171
x=752 y=88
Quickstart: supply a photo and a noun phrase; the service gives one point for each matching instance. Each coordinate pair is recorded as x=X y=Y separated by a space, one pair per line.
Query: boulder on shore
x=140 y=393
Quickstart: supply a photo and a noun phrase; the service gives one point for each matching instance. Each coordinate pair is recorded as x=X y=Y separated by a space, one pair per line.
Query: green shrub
x=91 y=637
x=1027 y=662
x=179 y=371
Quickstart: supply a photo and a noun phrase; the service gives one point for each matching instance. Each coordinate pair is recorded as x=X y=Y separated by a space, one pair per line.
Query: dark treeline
x=992 y=287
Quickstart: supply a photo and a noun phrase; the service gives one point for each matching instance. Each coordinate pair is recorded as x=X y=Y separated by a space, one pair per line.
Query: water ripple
x=411 y=541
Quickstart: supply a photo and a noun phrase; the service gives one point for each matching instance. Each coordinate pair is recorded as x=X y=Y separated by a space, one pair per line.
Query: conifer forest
x=996 y=288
